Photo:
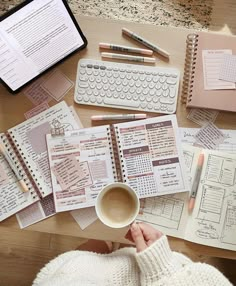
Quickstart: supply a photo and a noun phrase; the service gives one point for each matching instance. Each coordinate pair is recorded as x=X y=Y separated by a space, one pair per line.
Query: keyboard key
x=119 y=102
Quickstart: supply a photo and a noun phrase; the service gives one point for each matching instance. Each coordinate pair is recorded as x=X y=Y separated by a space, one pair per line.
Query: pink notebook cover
x=212 y=99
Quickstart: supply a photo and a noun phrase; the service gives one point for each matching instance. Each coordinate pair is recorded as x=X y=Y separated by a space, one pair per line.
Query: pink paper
x=68 y=172
x=37 y=137
x=36 y=110
x=57 y=85
x=36 y=94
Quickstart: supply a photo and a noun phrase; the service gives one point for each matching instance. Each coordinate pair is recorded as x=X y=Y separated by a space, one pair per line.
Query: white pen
x=119 y=117
x=125 y=49
x=146 y=43
x=14 y=169
x=129 y=58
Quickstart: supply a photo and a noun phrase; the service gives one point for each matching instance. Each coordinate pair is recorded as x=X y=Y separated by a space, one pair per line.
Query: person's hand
x=143 y=235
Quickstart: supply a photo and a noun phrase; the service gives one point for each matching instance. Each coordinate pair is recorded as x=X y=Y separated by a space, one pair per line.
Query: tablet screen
x=34 y=37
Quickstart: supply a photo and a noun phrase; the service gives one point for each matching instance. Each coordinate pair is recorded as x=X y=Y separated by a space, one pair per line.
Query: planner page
x=33 y=38
x=213 y=219
x=30 y=137
x=151 y=155
x=169 y=213
x=12 y=197
x=81 y=165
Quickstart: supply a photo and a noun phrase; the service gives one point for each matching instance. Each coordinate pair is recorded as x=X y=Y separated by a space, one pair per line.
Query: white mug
x=117 y=205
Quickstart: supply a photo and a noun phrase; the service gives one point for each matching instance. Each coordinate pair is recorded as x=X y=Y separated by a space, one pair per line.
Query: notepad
x=25 y=144
x=194 y=93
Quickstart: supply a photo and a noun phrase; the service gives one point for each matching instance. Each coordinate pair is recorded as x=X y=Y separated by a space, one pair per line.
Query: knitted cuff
x=157 y=259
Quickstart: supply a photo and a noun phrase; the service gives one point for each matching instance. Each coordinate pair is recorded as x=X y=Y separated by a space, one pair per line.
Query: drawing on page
x=58 y=127
x=221 y=170
x=165 y=211
x=229 y=227
x=211 y=203
x=206 y=230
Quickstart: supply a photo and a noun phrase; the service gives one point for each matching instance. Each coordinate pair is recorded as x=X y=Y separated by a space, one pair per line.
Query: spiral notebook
x=25 y=145
x=193 y=93
x=145 y=154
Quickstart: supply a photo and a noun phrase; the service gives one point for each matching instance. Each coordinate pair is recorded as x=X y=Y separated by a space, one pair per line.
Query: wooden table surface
x=13 y=107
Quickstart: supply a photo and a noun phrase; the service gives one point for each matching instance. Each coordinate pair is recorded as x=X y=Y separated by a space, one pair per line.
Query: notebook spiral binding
x=24 y=168
x=120 y=156
x=114 y=154
x=189 y=67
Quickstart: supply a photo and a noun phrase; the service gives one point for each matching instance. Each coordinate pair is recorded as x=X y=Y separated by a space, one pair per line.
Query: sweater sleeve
x=159 y=265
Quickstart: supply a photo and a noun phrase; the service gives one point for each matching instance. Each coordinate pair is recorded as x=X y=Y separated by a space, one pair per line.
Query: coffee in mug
x=117 y=205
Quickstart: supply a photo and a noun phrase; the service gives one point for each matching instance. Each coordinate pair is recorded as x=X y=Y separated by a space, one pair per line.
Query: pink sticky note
x=36 y=94
x=68 y=172
x=36 y=110
x=57 y=85
x=37 y=137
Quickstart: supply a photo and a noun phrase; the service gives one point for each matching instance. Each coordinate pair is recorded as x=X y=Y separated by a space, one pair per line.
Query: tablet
x=34 y=37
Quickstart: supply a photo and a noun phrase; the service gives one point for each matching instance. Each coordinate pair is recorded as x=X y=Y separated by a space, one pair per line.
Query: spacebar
x=120 y=102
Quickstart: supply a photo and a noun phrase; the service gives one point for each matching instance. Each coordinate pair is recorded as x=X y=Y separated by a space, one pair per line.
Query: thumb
x=138 y=238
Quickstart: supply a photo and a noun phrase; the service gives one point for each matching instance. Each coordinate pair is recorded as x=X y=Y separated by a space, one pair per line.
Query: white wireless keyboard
x=127 y=86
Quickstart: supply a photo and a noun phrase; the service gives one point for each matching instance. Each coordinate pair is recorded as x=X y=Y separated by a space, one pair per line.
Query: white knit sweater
x=157 y=265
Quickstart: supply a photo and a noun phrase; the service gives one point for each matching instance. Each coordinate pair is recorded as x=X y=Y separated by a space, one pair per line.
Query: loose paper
x=228 y=68
x=57 y=85
x=212 y=60
x=68 y=172
x=202 y=116
x=36 y=94
x=84 y=217
x=36 y=110
x=209 y=136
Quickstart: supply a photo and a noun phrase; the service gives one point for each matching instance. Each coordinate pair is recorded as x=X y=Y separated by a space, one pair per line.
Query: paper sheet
x=187 y=136
x=228 y=68
x=212 y=60
x=36 y=94
x=90 y=146
x=84 y=217
x=202 y=116
x=68 y=172
x=36 y=110
x=12 y=199
x=209 y=136
x=57 y=85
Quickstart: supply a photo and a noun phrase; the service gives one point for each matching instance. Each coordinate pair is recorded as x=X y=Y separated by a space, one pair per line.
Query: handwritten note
x=202 y=116
x=212 y=60
x=68 y=172
x=36 y=110
x=36 y=94
x=228 y=68
x=209 y=136
x=57 y=85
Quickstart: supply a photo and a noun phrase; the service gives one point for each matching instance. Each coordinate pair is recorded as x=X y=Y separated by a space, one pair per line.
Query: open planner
x=25 y=145
x=213 y=220
x=145 y=154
